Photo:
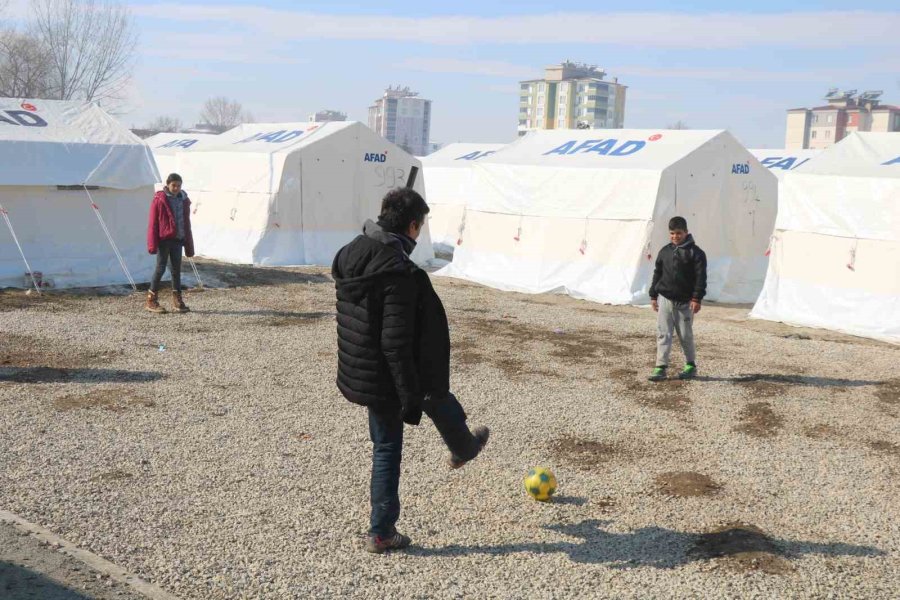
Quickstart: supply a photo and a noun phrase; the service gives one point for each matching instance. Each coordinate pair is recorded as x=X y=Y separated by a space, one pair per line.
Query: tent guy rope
x=110 y=238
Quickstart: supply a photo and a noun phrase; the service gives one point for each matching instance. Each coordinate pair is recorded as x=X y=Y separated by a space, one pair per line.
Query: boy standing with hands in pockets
x=677 y=290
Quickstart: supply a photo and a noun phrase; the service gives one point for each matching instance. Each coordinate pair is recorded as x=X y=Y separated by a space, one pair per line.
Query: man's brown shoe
x=377 y=544
x=481 y=437
x=178 y=304
x=153 y=303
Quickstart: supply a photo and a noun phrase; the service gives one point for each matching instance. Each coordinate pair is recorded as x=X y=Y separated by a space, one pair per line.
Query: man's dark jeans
x=386 y=432
x=169 y=251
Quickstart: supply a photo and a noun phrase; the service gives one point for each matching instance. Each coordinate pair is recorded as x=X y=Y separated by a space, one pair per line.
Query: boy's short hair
x=400 y=208
x=678 y=223
x=173 y=177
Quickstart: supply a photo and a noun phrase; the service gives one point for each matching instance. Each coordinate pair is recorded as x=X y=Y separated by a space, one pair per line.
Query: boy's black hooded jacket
x=393 y=335
x=680 y=273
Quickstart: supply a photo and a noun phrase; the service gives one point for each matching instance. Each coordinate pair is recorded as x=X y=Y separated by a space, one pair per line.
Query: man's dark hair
x=677 y=223
x=400 y=208
x=173 y=177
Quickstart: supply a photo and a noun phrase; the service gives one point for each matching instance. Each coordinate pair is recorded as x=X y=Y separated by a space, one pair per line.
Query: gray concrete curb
x=101 y=565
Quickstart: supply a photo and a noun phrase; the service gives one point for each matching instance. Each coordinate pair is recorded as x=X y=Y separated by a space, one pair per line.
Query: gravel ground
x=30 y=570
x=211 y=453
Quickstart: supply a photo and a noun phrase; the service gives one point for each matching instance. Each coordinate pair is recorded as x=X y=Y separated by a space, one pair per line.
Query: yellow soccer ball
x=540 y=483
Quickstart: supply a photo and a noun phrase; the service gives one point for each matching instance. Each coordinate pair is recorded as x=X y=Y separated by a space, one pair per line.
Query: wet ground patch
x=293 y=319
x=113 y=399
x=822 y=431
x=741 y=548
x=759 y=420
x=889 y=392
x=686 y=484
x=584 y=453
x=885 y=447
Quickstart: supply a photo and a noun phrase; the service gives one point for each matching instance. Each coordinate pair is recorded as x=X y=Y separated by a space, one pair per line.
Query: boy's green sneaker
x=688 y=372
x=659 y=374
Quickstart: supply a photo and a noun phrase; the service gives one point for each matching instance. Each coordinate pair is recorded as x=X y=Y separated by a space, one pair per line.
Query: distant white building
x=403 y=118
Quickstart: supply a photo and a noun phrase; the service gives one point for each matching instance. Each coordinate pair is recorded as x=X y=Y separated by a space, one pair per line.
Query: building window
x=524 y=98
x=540 y=112
x=815 y=118
x=828 y=133
x=812 y=135
x=522 y=122
x=829 y=119
x=540 y=100
x=562 y=111
x=581 y=87
x=562 y=99
x=525 y=87
x=542 y=87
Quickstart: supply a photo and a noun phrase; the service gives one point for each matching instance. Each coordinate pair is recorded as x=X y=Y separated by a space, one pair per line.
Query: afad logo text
x=378 y=157
x=608 y=147
x=185 y=143
x=475 y=155
x=21 y=118
x=896 y=161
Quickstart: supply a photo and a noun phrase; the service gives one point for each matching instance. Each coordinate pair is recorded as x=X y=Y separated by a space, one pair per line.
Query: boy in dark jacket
x=394 y=353
x=678 y=287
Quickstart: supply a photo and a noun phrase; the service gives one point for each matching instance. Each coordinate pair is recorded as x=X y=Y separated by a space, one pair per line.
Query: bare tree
x=91 y=44
x=222 y=113
x=24 y=66
x=166 y=124
x=679 y=124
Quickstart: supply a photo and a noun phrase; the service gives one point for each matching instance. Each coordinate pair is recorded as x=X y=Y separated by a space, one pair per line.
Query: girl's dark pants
x=169 y=252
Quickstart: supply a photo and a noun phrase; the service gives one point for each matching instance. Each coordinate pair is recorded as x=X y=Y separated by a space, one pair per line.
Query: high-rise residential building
x=327 y=116
x=571 y=96
x=846 y=112
x=403 y=119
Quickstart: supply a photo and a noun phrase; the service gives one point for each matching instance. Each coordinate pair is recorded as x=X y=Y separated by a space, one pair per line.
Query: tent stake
x=109 y=237
x=19 y=246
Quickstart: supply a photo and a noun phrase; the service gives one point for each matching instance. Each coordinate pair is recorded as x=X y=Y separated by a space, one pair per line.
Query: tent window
x=76 y=188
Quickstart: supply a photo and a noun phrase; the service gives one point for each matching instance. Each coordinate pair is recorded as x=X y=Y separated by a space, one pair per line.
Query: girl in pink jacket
x=168 y=235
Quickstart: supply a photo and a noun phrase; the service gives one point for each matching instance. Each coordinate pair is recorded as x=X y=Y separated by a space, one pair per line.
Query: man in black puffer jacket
x=394 y=353
x=676 y=293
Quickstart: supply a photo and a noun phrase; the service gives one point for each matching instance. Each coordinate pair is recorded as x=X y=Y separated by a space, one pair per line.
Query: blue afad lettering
x=21 y=117
x=475 y=155
x=375 y=157
x=179 y=144
x=273 y=137
x=740 y=169
x=603 y=147
x=896 y=161
x=785 y=163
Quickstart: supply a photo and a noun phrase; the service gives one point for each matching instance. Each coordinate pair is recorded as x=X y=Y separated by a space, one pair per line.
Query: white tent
x=835 y=260
x=782 y=161
x=291 y=193
x=585 y=211
x=165 y=146
x=75 y=187
x=447 y=173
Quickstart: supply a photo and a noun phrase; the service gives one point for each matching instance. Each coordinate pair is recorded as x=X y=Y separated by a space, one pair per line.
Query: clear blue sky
x=735 y=65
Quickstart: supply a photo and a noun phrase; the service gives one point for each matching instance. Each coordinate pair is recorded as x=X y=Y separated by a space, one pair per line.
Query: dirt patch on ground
x=569 y=345
x=114 y=399
x=822 y=432
x=246 y=275
x=686 y=484
x=291 y=319
x=117 y=475
x=759 y=386
x=465 y=352
x=885 y=447
x=26 y=351
x=662 y=395
x=13 y=299
x=759 y=420
x=741 y=548
x=889 y=392
x=584 y=453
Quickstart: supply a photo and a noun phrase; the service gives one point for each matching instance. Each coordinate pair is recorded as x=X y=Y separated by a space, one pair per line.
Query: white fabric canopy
x=291 y=193
x=585 y=211
x=447 y=176
x=49 y=142
x=165 y=146
x=836 y=250
x=70 y=173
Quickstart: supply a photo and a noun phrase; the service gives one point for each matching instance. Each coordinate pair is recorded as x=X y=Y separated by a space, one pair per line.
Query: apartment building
x=571 y=96
x=404 y=119
x=846 y=112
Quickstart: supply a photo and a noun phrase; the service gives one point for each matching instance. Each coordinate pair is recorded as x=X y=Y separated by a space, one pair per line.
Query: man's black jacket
x=680 y=273
x=393 y=336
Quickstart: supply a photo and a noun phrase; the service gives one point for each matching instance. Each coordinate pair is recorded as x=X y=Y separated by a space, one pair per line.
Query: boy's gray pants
x=677 y=316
